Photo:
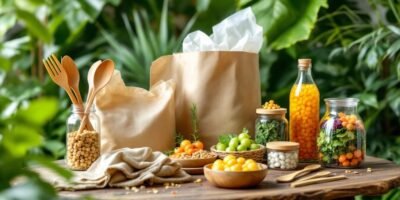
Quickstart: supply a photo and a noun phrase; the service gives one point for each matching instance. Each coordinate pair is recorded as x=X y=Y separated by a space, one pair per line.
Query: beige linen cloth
x=126 y=168
x=224 y=85
x=134 y=117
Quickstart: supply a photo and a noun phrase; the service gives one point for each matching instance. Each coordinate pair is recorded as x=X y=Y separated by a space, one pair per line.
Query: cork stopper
x=304 y=63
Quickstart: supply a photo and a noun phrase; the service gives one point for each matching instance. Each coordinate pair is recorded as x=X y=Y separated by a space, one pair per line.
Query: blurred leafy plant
x=371 y=40
x=285 y=22
x=145 y=42
x=20 y=134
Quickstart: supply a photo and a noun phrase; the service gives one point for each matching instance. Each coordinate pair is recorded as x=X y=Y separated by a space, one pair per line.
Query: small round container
x=271 y=125
x=82 y=148
x=283 y=155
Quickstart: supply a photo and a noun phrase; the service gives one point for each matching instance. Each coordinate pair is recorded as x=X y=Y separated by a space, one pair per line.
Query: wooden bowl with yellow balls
x=233 y=179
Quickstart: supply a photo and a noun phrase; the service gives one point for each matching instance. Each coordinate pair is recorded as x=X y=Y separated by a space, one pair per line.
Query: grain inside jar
x=82 y=149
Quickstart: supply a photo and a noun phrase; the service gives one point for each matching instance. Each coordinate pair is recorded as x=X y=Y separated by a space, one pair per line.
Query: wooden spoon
x=316 y=175
x=98 y=78
x=290 y=177
x=91 y=72
x=73 y=76
x=317 y=180
x=73 y=80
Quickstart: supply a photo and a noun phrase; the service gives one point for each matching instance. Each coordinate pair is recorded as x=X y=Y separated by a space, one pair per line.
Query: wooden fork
x=60 y=77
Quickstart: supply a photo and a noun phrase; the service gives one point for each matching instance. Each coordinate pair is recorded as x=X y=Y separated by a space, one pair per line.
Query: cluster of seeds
x=82 y=149
x=196 y=155
x=271 y=105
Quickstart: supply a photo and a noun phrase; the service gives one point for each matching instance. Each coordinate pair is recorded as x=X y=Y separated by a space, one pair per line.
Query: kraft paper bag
x=134 y=117
x=224 y=85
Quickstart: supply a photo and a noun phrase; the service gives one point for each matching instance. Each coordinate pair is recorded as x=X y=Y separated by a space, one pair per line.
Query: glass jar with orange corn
x=304 y=112
x=341 y=140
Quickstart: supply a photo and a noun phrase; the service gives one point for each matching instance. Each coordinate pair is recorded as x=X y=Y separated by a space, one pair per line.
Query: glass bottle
x=271 y=125
x=342 y=139
x=82 y=148
x=304 y=112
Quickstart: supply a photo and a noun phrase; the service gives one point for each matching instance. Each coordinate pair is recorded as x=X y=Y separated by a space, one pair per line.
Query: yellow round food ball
x=229 y=157
x=240 y=160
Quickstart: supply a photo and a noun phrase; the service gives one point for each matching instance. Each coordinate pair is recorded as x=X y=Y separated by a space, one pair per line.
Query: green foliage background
x=354 y=46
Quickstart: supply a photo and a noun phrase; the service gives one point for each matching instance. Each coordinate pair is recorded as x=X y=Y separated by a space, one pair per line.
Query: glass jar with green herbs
x=271 y=125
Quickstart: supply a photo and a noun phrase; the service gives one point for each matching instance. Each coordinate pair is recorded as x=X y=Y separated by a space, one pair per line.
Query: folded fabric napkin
x=127 y=168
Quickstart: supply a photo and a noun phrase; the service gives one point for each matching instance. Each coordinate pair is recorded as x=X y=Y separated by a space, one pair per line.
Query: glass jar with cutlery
x=83 y=147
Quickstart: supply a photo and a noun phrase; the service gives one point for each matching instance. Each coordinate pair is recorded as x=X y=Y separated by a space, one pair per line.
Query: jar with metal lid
x=282 y=155
x=83 y=148
x=342 y=139
x=271 y=125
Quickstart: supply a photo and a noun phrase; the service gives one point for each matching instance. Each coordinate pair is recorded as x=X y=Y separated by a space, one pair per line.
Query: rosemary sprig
x=178 y=139
x=193 y=110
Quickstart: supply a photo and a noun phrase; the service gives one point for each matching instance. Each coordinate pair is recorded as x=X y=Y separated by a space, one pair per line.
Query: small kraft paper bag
x=219 y=74
x=134 y=117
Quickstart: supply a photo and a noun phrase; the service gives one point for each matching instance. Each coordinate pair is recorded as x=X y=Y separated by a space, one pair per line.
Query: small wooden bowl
x=257 y=155
x=227 y=179
x=194 y=163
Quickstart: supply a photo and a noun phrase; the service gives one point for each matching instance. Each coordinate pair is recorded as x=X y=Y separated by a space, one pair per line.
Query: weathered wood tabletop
x=385 y=175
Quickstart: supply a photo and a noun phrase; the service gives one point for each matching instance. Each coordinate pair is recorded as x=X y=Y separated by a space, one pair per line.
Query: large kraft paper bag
x=135 y=117
x=224 y=85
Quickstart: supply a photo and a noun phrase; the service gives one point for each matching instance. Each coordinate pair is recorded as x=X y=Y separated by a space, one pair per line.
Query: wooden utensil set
x=66 y=75
x=320 y=177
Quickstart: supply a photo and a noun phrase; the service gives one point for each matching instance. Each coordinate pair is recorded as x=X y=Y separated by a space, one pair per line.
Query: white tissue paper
x=238 y=32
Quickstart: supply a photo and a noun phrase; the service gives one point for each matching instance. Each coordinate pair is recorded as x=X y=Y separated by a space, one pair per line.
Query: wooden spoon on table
x=316 y=175
x=73 y=80
x=97 y=78
x=317 y=180
x=290 y=177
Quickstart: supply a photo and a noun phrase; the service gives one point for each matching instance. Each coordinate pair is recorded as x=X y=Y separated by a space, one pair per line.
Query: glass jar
x=271 y=125
x=342 y=138
x=82 y=148
x=304 y=113
x=282 y=155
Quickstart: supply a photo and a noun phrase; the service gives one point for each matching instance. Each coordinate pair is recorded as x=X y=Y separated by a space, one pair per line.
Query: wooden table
x=385 y=175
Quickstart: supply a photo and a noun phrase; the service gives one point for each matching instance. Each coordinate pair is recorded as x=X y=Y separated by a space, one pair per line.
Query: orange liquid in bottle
x=304 y=118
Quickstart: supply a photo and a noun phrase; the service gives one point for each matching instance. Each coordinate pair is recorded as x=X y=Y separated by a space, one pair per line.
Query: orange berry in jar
x=346 y=163
x=349 y=156
x=358 y=153
x=354 y=162
x=342 y=158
